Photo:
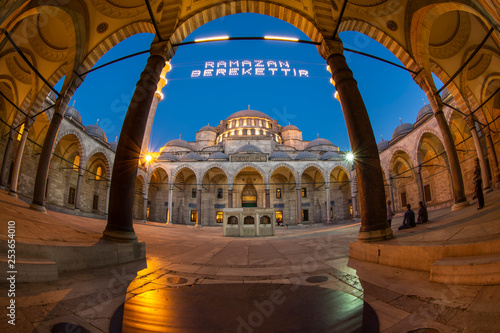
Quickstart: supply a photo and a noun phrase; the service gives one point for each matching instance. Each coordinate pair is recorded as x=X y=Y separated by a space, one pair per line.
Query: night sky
x=306 y=102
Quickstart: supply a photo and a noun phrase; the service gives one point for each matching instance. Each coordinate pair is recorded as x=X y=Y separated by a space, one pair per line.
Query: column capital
x=330 y=47
x=327 y=185
x=423 y=82
x=471 y=123
x=163 y=49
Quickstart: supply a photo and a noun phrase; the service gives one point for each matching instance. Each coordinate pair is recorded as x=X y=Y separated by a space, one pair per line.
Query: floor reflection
x=244 y=308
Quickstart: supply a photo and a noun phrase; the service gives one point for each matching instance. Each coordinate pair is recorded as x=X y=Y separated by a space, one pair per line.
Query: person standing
x=422 y=213
x=478 y=184
x=390 y=213
x=409 y=218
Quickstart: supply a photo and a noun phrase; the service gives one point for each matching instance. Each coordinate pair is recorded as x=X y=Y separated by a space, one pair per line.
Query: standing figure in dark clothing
x=409 y=218
x=478 y=184
x=422 y=213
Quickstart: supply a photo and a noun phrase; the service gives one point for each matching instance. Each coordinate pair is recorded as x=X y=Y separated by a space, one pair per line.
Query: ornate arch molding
x=214 y=11
x=107 y=159
x=380 y=36
x=418 y=146
x=308 y=165
x=214 y=166
x=141 y=177
x=405 y=150
x=159 y=167
x=185 y=166
x=343 y=168
x=80 y=140
x=283 y=165
x=265 y=175
x=115 y=38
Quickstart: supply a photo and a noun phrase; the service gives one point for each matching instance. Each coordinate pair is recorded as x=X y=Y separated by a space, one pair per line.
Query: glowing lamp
x=336 y=95
x=328 y=68
x=332 y=82
x=289 y=39
x=349 y=157
x=148 y=158
x=209 y=39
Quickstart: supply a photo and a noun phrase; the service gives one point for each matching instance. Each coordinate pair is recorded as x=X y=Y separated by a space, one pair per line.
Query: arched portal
x=436 y=178
x=404 y=182
x=248 y=188
x=185 y=195
x=313 y=195
x=215 y=193
x=158 y=192
x=282 y=194
x=340 y=195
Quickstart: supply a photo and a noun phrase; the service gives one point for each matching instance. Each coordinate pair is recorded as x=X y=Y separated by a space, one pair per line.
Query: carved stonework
x=391 y=25
x=102 y=28
x=329 y=47
x=164 y=49
x=120 y=9
x=479 y=66
x=18 y=68
x=471 y=123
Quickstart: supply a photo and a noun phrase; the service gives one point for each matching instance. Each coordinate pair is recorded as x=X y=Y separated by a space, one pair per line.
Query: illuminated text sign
x=248 y=68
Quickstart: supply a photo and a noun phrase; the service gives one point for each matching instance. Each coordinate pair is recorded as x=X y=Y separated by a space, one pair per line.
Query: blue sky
x=307 y=102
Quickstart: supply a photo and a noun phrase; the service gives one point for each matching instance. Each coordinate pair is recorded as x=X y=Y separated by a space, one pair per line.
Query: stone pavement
x=183 y=260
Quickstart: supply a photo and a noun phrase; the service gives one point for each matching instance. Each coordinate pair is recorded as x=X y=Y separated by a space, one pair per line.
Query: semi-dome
x=72 y=113
x=96 y=132
x=425 y=110
x=178 y=143
x=279 y=156
x=218 y=156
x=208 y=129
x=113 y=145
x=329 y=155
x=248 y=113
x=249 y=149
x=383 y=145
x=305 y=155
x=191 y=157
x=402 y=130
x=289 y=128
x=319 y=142
x=166 y=156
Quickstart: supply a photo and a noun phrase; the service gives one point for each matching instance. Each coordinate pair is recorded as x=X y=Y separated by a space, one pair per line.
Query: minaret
x=154 y=104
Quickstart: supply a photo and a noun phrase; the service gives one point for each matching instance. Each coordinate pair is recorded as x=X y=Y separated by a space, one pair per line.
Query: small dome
x=289 y=128
x=319 y=142
x=178 y=143
x=72 y=113
x=279 y=156
x=218 y=156
x=208 y=129
x=113 y=145
x=249 y=113
x=402 y=130
x=168 y=157
x=329 y=155
x=249 y=149
x=305 y=155
x=191 y=157
x=383 y=145
x=425 y=110
x=96 y=132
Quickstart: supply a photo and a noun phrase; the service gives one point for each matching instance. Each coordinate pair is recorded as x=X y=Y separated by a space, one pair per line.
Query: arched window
x=76 y=163
x=265 y=219
x=98 y=173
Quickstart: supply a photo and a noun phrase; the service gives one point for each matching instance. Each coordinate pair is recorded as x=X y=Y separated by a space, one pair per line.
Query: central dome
x=248 y=113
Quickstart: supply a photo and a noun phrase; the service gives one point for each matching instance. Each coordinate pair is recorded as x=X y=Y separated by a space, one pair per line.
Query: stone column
x=28 y=122
x=229 y=198
x=328 y=203
x=420 y=184
x=198 y=206
x=479 y=151
x=391 y=192
x=6 y=159
x=121 y=200
x=493 y=156
x=170 y=204
x=449 y=145
x=299 y=203
x=374 y=226
x=108 y=185
x=145 y=207
x=78 y=188
x=49 y=142
x=268 y=196
x=354 y=192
